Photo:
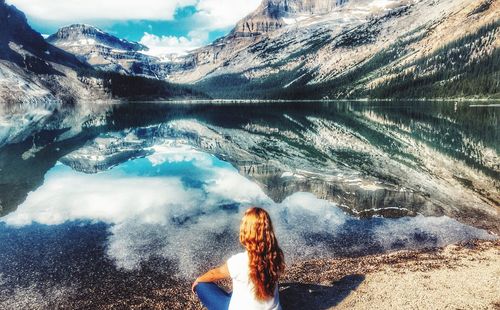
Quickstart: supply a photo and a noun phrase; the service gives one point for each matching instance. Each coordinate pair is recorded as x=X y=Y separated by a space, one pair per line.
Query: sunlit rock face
x=103 y=50
x=339 y=50
x=106 y=52
x=286 y=7
x=269 y=15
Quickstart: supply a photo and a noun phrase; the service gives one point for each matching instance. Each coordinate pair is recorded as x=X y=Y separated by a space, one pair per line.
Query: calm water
x=108 y=196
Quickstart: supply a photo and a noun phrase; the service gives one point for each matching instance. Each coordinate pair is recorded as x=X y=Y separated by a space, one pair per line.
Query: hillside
x=34 y=73
x=325 y=49
x=104 y=51
x=359 y=49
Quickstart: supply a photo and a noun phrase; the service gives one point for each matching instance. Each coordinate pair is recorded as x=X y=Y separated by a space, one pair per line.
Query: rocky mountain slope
x=274 y=14
x=108 y=53
x=41 y=84
x=80 y=35
x=104 y=51
x=37 y=77
x=356 y=49
x=321 y=49
x=34 y=72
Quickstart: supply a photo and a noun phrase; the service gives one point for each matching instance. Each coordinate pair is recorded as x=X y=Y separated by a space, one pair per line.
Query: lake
x=107 y=202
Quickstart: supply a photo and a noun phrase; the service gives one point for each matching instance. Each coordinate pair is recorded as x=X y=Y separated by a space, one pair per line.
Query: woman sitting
x=254 y=273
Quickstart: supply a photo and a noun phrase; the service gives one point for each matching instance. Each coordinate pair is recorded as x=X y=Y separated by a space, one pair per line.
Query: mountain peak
x=83 y=34
x=271 y=14
x=283 y=8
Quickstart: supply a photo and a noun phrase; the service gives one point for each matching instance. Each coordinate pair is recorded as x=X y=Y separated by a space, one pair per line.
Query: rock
x=80 y=34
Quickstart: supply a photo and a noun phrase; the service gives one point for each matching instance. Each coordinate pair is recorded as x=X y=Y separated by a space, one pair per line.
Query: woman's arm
x=212 y=275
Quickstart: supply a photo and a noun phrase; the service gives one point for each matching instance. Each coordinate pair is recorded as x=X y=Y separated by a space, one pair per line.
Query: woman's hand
x=194 y=285
x=213 y=275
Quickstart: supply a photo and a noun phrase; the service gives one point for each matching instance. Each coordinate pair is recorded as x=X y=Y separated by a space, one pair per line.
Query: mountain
x=79 y=35
x=324 y=49
x=100 y=49
x=34 y=72
x=274 y=14
x=106 y=52
x=17 y=39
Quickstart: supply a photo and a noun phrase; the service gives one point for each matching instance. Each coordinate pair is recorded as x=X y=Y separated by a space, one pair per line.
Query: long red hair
x=266 y=260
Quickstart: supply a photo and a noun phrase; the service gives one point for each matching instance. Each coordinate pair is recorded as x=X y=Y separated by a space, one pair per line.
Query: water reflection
x=178 y=202
x=153 y=192
x=388 y=158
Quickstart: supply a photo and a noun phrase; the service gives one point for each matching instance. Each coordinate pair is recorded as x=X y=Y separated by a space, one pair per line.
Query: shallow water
x=133 y=190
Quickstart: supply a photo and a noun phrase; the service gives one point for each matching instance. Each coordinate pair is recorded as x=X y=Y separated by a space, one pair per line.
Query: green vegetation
x=236 y=86
x=459 y=69
x=137 y=87
x=463 y=68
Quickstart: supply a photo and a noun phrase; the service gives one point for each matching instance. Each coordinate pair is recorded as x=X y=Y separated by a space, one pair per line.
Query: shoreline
x=257 y=101
x=460 y=276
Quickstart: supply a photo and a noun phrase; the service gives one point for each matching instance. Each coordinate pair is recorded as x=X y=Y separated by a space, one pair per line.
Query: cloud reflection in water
x=185 y=206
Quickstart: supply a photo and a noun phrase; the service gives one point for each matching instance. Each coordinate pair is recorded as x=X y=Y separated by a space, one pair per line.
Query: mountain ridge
x=323 y=49
x=105 y=51
x=313 y=57
x=271 y=14
x=36 y=76
x=33 y=71
x=75 y=32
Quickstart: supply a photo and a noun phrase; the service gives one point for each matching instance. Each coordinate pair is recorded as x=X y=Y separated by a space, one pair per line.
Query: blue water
x=169 y=211
x=179 y=202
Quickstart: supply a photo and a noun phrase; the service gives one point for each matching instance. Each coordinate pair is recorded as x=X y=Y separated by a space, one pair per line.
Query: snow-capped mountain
x=80 y=35
x=324 y=49
x=102 y=50
x=38 y=76
x=272 y=15
x=108 y=53
x=315 y=49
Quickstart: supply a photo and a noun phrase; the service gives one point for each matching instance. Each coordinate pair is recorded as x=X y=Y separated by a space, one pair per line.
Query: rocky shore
x=464 y=276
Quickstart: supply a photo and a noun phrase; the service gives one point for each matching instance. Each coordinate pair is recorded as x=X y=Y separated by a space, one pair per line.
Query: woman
x=254 y=272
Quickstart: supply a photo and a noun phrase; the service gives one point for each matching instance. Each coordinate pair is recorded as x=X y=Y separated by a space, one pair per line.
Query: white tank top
x=243 y=297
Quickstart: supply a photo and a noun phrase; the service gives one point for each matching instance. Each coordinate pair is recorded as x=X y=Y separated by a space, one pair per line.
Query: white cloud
x=165 y=45
x=106 y=199
x=215 y=14
x=126 y=193
x=219 y=14
x=154 y=215
x=74 y=10
x=211 y=15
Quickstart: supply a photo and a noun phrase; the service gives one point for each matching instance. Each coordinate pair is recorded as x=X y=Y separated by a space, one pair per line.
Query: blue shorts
x=212 y=296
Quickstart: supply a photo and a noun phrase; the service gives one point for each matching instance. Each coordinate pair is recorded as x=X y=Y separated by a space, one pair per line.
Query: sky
x=165 y=26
